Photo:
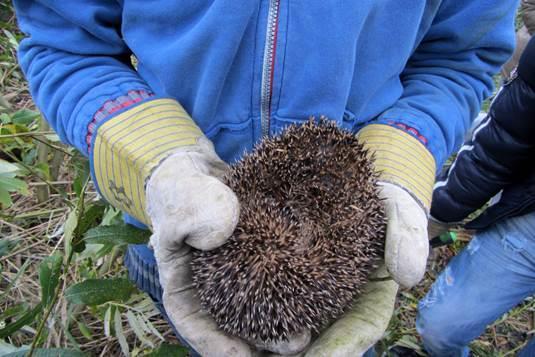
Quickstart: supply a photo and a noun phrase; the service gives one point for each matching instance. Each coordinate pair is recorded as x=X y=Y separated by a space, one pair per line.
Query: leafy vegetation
x=63 y=289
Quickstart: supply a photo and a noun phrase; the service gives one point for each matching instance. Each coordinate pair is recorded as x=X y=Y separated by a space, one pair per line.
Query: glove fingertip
x=406 y=278
x=207 y=241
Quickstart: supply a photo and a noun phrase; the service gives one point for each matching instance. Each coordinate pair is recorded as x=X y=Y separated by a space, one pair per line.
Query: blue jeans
x=495 y=272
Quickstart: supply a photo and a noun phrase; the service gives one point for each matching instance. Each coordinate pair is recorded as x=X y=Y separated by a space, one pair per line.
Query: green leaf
x=92 y=215
x=8 y=182
x=43 y=169
x=82 y=171
x=6 y=348
x=99 y=291
x=54 y=138
x=108 y=316
x=3 y=101
x=90 y=218
x=12 y=129
x=13 y=185
x=119 y=333
x=167 y=350
x=12 y=39
x=410 y=342
x=112 y=216
x=117 y=235
x=85 y=330
x=135 y=324
x=5 y=198
x=12 y=311
x=7 y=245
x=104 y=250
x=74 y=224
x=48 y=352
x=27 y=318
x=5 y=119
x=25 y=117
x=13 y=281
x=8 y=169
x=149 y=327
x=68 y=229
x=49 y=273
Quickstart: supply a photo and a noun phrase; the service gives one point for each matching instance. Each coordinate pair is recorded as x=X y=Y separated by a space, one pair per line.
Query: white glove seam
x=406 y=232
x=189 y=314
x=181 y=289
x=414 y=197
x=398 y=241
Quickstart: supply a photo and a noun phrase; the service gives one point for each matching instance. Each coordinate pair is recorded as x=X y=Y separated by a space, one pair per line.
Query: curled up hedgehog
x=310 y=232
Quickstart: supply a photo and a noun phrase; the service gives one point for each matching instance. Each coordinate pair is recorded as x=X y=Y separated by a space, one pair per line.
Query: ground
x=46 y=219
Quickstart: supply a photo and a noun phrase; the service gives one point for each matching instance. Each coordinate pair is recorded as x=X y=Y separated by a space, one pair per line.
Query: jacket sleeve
x=500 y=150
x=75 y=61
x=450 y=71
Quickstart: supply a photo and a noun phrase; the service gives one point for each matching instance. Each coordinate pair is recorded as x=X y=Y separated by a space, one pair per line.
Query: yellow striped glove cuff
x=128 y=147
x=402 y=160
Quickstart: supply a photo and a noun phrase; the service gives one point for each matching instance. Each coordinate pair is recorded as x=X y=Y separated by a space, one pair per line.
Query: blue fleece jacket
x=422 y=65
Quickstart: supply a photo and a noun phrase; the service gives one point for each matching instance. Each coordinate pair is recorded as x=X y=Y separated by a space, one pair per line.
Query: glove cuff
x=128 y=147
x=402 y=160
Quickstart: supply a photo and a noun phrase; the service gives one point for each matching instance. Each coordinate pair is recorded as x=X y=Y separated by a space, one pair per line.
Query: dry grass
x=37 y=230
x=503 y=338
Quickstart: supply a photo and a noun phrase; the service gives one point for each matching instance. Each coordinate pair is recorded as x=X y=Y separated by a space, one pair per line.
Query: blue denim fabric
x=495 y=272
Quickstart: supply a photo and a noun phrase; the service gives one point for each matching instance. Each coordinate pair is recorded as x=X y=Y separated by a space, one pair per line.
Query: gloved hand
x=195 y=209
x=190 y=207
x=407 y=243
x=359 y=329
x=436 y=228
x=407 y=174
x=154 y=163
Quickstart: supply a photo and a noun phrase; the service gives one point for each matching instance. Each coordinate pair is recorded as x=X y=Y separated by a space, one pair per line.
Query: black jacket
x=499 y=158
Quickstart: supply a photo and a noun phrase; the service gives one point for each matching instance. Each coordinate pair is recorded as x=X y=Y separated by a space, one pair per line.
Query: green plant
x=9 y=183
x=55 y=242
x=37 y=236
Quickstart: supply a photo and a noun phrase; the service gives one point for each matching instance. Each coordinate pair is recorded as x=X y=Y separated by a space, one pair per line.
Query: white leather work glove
x=406 y=176
x=407 y=243
x=154 y=163
x=436 y=228
x=195 y=209
x=360 y=328
x=190 y=207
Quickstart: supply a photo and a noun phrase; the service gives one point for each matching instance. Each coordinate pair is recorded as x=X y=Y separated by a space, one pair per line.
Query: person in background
x=527 y=10
x=496 y=271
x=215 y=77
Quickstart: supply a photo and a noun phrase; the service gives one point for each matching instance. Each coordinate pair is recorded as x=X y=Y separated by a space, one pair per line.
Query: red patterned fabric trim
x=410 y=130
x=111 y=106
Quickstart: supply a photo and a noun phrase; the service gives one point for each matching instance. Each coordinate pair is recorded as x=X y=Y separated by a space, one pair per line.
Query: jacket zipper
x=268 y=65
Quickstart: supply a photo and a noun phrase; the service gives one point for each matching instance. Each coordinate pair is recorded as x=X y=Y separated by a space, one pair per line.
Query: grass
x=35 y=227
x=503 y=338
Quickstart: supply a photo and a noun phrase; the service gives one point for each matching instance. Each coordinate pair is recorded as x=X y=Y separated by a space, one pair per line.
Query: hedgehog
x=310 y=231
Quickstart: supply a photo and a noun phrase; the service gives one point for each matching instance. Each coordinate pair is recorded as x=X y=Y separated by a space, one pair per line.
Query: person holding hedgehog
x=212 y=78
x=496 y=271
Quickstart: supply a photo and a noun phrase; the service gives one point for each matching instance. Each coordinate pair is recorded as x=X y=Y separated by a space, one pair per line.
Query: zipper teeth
x=267 y=68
